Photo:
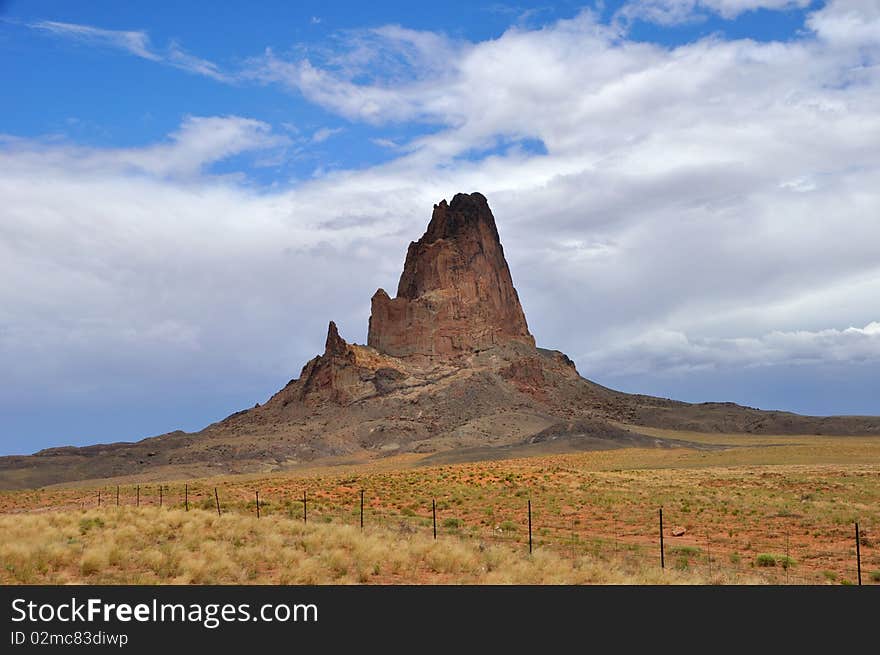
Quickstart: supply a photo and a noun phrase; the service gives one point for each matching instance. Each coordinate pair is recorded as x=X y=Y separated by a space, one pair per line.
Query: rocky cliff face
x=455 y=294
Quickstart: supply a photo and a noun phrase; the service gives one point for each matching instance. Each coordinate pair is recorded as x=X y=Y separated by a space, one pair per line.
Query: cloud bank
x=676 y=353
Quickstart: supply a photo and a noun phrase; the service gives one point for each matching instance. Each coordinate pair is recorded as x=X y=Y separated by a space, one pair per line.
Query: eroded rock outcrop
x=455 y=294
x=343 y=374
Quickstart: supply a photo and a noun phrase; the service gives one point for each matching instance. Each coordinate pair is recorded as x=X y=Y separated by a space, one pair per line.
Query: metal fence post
x=662 y=555
x=858 y=555
x=530 y=526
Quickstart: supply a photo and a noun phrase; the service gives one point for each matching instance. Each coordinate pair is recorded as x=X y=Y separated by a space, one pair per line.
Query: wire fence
x=784 y=553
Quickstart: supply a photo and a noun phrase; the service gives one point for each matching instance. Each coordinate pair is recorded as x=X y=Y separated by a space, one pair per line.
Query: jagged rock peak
x=467 y=221
x=455 y=294
x=335 y=345
x=466 y=211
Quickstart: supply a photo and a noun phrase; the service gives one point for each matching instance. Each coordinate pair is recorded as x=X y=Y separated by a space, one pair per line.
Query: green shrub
x=452 y=524
x=684 y=551
x=875 y=576
x=769 y=559
x=765 y=559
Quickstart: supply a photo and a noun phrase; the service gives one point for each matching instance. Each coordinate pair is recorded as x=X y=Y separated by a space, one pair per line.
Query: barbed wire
x=696 y=551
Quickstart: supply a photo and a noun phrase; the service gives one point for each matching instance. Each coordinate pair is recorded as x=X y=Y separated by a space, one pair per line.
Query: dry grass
x=594 y=516
x=149 y=545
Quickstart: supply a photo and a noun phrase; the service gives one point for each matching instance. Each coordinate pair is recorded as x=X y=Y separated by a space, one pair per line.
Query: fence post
x=117 y=495
x=99 y=497
x=708 y=556
x=217 y=500
x=662 y=556
x=160 y=495
x=362 y=509
x=858 y=555
x=787 y=558
x=530 y=526
x=186 y=496
x=305 y=510
x=257 y=492
x=434 y=514
x=138 y=497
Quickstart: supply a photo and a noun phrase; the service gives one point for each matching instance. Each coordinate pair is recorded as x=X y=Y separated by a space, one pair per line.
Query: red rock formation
x=455 y=293
x=331 y=375
x=343 y=374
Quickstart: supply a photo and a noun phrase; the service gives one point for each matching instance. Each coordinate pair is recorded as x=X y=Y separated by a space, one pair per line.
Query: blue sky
x=79 y=87
x=686 y=190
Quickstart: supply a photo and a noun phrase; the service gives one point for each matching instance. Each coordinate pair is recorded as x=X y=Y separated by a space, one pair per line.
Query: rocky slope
x=450 y=366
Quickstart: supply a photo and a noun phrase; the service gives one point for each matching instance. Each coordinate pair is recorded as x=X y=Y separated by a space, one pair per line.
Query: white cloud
x=198 y=142
x=847 y=22
x=119 y=284
x=372 y=104
x=201 y=141
x=403 y=65
x=134 y=42
x=672 y=12
x=179 y=58
x=673 y=352
x=324 y=133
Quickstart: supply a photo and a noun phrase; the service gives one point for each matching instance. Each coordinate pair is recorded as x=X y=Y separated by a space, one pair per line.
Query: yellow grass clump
x=151 y=545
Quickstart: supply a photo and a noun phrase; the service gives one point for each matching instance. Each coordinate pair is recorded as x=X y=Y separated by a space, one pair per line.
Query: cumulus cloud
x=709 y=204
x=847 y=22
